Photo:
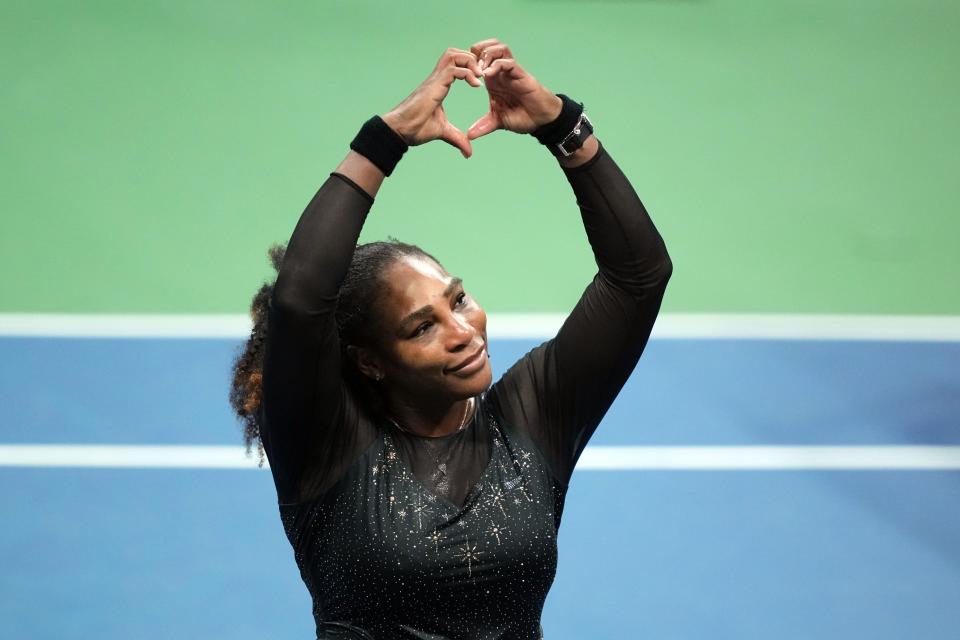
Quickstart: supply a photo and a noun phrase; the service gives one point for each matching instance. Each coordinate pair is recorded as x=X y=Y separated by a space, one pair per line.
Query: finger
x=462 y=73
x=493 y=52
x=487 y=123
x=506 y=67
x=457 y=138
x=478 y=48
x=459 y=58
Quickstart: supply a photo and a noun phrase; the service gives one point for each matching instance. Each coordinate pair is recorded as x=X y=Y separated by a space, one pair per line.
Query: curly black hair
x=355 y=323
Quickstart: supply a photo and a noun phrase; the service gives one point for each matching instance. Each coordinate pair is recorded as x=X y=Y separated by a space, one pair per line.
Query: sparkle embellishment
x=378 y=532
x=417 y=508
x=435 y=539
x=496 y=499
x=469 y=553
x=495 y=530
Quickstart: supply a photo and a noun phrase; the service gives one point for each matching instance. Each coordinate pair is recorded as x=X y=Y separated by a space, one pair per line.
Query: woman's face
x=433 y=335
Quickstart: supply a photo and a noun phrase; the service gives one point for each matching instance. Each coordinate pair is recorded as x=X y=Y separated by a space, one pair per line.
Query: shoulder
x=527 y=375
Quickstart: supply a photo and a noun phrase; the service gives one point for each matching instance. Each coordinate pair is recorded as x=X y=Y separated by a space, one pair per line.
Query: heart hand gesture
x=518 y=102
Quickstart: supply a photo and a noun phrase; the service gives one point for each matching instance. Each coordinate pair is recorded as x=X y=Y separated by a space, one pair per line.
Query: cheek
x=418 y=358
x=478 y=318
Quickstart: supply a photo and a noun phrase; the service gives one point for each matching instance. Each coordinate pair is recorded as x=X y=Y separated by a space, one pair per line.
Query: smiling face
x=432 y=336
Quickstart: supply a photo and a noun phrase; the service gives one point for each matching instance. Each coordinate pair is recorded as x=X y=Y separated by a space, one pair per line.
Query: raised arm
x=561 y=390
x=312 y=427
x=302 y=387
x=602 y=339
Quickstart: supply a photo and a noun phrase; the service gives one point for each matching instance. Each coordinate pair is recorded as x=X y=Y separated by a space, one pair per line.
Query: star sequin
x=435 y=539
x=495 y=530
x=418 y=508
x=462 y=529
x=496 y=499
x=469 y=553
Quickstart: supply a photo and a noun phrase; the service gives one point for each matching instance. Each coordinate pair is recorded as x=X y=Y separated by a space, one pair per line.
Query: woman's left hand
x=518 y=102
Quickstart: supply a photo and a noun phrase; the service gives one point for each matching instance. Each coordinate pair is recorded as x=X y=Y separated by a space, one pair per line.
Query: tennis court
x=783 y=463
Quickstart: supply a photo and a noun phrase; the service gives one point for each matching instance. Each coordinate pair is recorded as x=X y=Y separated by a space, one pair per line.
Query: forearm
x=363 y=172
x=628 y=248
x=581 y=155
x=322 y=243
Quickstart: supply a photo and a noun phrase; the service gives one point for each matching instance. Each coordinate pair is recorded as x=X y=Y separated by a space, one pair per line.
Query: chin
x=484 y=379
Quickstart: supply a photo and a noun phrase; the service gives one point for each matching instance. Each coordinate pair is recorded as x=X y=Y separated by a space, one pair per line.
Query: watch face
x=575 y=138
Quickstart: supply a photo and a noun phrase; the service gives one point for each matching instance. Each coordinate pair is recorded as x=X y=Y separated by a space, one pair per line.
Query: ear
x=366 y=361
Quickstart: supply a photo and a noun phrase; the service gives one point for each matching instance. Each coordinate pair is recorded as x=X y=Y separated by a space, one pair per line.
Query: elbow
x=665 y=268
x=655 y=271
x=296 y=291
x=286 y=298
x=653 y=276
x=664 y=263
x=300 y=301
x=642 y=279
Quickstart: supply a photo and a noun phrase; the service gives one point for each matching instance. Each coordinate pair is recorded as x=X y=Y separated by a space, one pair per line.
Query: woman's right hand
x=420 y=117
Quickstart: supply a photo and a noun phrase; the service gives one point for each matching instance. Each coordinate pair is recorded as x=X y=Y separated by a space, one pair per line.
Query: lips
x=469 y=361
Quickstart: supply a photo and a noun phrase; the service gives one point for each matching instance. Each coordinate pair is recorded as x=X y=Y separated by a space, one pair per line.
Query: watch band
x=573 y=140
x=567 y=132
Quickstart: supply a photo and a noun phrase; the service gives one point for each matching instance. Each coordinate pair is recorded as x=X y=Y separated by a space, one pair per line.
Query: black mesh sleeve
x=311 y=426
x=561 y=390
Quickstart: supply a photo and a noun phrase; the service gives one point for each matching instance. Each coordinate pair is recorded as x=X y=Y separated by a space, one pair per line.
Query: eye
x=462 y=298
x=421 y=329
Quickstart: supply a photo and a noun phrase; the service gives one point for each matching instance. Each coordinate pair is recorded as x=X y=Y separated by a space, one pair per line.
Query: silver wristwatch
x=574 y=139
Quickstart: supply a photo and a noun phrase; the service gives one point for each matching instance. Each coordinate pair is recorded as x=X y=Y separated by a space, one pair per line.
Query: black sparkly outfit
x=400 y=536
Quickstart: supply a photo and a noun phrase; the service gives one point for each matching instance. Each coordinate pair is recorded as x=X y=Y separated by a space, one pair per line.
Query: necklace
x=463 y=421
x=439 y=449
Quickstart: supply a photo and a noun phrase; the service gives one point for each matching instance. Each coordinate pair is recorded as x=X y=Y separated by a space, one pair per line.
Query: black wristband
x=379 y=144
x=554 y=132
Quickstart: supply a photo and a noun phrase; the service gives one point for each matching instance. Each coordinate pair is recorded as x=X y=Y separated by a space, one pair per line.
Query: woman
x=420 y=501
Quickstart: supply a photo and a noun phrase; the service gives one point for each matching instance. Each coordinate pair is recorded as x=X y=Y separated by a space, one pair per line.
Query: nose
x=460 y=333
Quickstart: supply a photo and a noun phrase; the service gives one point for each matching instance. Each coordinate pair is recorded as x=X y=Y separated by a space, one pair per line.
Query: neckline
x=447 y=436
x=474 y=489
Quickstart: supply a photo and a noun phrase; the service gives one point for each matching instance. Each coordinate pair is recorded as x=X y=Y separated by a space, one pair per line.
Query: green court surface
x=797 y=156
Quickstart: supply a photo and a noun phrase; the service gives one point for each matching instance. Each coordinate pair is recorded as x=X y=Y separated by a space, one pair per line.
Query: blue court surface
x=644 y=553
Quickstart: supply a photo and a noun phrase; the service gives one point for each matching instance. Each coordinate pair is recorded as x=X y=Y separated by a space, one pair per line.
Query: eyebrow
x=424 y=312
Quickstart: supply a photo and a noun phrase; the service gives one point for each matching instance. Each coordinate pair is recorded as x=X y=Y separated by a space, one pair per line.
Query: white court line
x=722 y=457
x=594 y=458
x=756 y=326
